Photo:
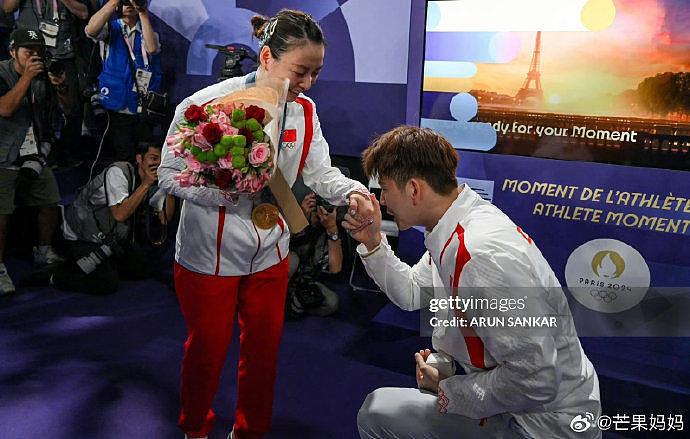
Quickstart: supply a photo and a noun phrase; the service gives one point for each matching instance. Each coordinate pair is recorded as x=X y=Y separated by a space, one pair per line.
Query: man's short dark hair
x=143 y=147
x=410 y=152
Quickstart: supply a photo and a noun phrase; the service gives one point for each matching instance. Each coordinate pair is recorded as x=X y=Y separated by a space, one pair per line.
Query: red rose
x=195 y=114
x=254 y=112
x=223 y=178
x=248 y=134
x=212 y=132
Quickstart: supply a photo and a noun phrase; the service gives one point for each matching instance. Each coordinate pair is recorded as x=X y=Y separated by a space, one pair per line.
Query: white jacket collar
x=435 y=240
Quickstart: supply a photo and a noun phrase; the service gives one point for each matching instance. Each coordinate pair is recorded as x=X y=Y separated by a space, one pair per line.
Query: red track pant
x=209 y=304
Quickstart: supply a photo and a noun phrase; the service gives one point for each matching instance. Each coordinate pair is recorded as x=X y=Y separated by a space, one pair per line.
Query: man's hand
x=34 y=67
x=308 y=204
x=328 y=220
x=361 y=208
x=427 y=376
x=368 y=233
x=148 y=174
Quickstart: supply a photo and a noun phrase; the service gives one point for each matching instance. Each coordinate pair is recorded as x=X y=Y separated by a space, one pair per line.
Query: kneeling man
x=517 y=381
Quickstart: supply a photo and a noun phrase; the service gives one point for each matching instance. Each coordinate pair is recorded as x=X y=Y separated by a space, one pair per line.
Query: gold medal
x=265 y=216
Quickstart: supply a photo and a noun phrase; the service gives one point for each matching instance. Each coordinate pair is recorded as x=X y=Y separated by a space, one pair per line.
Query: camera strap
x=144 y=55
x=141 y=77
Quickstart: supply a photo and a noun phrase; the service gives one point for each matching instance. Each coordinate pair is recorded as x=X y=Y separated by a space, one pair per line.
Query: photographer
x=56 y=21
x=100 y=225
x=315 y=250
x=131 y=50
x=26 y=96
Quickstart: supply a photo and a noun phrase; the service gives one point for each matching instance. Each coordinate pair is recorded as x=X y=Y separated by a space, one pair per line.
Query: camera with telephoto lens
x=31 y=165
x=32 y=158
x=90 y=262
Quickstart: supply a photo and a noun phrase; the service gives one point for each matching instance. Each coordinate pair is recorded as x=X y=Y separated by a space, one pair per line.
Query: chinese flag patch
x=290 y=135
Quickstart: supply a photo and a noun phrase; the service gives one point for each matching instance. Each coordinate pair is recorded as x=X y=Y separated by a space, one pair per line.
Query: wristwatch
x=334 y=237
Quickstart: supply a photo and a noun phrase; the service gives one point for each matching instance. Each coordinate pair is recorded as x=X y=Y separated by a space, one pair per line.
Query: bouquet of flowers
x=230 y=143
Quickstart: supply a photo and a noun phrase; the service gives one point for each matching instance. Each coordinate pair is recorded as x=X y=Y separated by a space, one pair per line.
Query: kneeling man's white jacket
x=543 y=377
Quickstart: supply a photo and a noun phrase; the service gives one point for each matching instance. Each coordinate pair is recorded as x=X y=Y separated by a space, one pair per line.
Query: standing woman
x=225 y=264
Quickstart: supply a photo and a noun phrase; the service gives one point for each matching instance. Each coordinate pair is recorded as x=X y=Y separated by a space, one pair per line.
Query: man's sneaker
x=46 y=255
x=6 y=285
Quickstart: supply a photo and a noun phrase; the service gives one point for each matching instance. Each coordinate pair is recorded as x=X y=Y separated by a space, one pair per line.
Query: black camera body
x=54 y=66
x=137 y=3
x=321 y=202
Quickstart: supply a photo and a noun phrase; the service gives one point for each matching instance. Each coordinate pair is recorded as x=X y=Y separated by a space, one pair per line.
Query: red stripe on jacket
x=282 y=230
x=475 y=345
x=308 y=130
x=219 y=236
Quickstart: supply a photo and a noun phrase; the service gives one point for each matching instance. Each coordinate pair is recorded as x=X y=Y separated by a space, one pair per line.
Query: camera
x=234 y=53
x=90 y=262
x=91 y=96
x=304 y=286
x=54 y=66
x=32 y=158
x=321 y=202
x=136 y=3
x=31 y=166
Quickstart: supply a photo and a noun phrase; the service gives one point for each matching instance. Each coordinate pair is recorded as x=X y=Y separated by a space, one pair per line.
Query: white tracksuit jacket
x=217 y=237
x=544 y=381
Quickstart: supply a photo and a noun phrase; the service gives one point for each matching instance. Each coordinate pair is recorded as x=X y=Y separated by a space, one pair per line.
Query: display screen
x=599 y=80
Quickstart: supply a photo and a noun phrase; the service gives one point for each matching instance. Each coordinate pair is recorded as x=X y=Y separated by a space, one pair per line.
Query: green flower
x=258 y=135
x=252 y=125
x=238 y=151
x=219 y=150
x=239 y=140
x=239 y=124
x=237 y=114
x=238 y=161
x=195 y=151
x=226 y=141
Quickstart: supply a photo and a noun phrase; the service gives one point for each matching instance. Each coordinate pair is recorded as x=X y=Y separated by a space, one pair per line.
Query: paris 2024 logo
x=607 y=275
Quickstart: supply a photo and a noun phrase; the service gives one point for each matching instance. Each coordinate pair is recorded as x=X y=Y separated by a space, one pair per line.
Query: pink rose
x=193 y=164
x=201 y=142
x=230 y=130
x=259 y=154
x=225 y=162
x=220 y=118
